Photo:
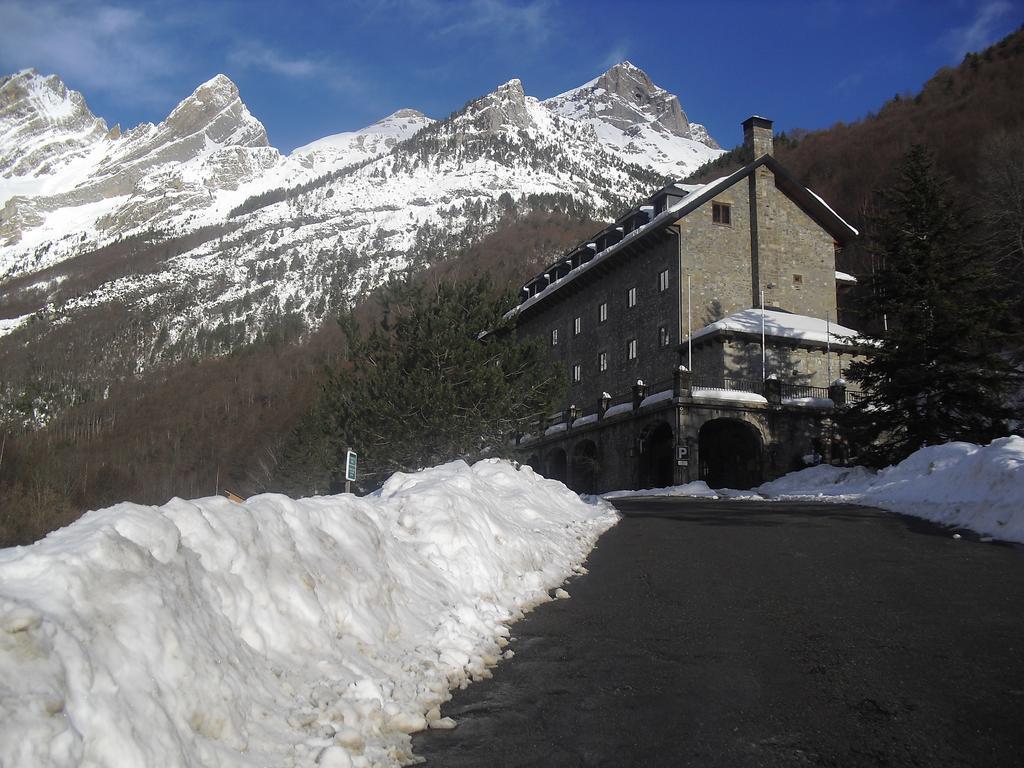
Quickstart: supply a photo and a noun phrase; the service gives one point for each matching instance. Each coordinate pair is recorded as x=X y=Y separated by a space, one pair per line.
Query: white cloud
x=253 y=55
x=108 y=47
x=616 y=55
x=848 y=85
x=981 y=32
x=530 y=21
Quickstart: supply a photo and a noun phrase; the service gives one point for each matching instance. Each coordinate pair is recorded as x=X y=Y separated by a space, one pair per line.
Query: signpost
x=351 y=460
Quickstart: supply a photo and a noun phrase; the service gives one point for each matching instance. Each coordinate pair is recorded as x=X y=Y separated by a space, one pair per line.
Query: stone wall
x=716 y=257
x=792 y=364
x=795 y=256
x=654 y=309
x=785 y=435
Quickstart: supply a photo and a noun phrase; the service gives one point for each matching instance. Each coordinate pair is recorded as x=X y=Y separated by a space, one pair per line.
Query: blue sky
x=308 y=69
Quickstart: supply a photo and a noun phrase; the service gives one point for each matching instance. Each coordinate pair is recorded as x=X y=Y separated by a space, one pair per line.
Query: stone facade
x=787 y=255
x=653 y=309
x=728 y=420
x=802 y=365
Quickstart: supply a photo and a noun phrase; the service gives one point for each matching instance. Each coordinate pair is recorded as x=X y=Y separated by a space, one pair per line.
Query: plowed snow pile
x=978 y=487
x=275 y=632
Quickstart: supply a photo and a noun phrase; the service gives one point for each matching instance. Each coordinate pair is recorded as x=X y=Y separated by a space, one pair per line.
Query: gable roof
x=694 y=196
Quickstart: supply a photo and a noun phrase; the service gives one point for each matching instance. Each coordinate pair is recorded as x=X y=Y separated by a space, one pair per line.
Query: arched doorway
x=557 y=465
x=585 y=467
x=656 y=460
x=730 y=454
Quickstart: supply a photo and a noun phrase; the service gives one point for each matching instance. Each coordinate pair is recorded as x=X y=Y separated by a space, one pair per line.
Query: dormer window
x=721 y=213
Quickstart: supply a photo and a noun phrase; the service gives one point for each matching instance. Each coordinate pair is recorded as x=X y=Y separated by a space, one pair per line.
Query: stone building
x=698 y=335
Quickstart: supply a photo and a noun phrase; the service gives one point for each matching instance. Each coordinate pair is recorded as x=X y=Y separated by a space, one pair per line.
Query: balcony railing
x=727 y=383
x=683 y=383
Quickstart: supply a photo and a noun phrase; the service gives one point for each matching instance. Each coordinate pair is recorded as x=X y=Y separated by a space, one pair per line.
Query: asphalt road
x=761 y=634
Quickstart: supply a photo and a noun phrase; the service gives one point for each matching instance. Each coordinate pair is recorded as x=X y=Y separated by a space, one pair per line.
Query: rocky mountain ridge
x=209 y=238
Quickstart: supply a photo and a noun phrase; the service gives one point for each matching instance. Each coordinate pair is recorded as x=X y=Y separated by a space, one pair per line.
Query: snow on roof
x=818 y=198
x=615 y=410
x=657 y=397
x=845 y=277
x=662 y=218
x=713 y=393
x=694 y=195
x=781 y=325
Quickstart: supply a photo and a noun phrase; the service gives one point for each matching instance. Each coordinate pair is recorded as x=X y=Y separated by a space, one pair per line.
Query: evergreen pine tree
x=422 y=388
x=937 y=373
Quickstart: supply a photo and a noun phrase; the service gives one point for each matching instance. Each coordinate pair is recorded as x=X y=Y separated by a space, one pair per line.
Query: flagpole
x=689 y=326
x=828 y=345
x=764 y=354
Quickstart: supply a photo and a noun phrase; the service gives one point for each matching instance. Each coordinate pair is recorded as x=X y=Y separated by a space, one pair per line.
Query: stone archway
x=534 y=463
x=657 y=462
x=557 y=465
x=730 y=452
x=586 y=466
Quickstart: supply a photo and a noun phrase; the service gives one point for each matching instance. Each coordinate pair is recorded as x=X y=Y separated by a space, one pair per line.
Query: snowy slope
x=48 y=137
x=276 y=632
x=341 y=149
x=232 y=240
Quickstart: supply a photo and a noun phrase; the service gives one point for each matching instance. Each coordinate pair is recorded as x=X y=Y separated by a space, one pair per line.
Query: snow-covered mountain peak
x=628 y=110
x=43 y=125
x=625 y=97
x=505 y=107
x=216 y=108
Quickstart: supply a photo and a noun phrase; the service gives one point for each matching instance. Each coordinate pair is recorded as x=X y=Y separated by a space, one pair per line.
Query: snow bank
x=274 y=632
x=980 y=488
x=697 y=488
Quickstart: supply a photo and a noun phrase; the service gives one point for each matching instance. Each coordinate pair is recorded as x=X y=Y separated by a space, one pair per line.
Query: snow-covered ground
x=979 y=488
x=275 y=632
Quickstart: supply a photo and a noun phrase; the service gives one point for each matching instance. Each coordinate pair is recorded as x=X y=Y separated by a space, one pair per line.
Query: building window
x=631 y=297
x=663 y=336
x=602 y=361
x=577 y=373
x=720 y=213
x=602 y=312
x=631 y=350
x=577 y=326
x=798 y=279
x=554 y=337
x=663 y=280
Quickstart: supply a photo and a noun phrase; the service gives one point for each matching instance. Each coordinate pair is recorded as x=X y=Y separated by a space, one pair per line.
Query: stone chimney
x=757 y=134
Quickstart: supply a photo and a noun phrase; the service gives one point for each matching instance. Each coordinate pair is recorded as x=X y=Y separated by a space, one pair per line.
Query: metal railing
x=705 y=381
x=803 y=390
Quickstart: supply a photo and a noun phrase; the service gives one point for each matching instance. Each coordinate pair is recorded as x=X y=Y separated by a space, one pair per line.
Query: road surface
x=718 y=633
